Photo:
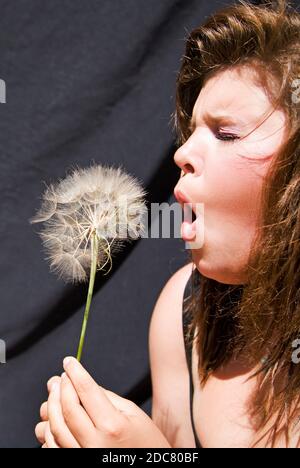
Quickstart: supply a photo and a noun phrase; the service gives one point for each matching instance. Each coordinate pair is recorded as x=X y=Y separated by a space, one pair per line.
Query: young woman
x=234 y=310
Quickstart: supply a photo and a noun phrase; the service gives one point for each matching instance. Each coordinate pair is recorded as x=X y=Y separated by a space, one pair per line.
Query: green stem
x=94 y=243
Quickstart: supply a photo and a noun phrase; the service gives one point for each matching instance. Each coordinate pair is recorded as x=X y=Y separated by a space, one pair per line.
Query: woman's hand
x=79 y=413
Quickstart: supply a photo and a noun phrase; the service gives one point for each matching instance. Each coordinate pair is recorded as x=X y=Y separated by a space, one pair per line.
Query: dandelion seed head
x=99 y=199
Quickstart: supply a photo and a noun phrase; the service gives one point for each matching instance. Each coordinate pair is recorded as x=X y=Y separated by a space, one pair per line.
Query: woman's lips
x=188 y=227
x=180 y=196
x=183 y=199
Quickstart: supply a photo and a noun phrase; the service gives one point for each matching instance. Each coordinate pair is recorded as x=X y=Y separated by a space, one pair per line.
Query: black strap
x=186 y=318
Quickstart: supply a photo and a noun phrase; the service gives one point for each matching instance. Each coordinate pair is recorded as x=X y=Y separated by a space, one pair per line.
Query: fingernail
x=63 y=375
x=67 y=361
x=55 y=387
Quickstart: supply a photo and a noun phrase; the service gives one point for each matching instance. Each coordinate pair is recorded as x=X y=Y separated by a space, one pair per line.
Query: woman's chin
x=210 y=269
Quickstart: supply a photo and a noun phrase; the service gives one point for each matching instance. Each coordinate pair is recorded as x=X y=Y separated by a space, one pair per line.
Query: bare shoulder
x=169 y=372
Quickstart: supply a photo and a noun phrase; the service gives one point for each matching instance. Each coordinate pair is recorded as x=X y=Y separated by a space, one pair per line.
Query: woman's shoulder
x=169 y=372
x=168 y=307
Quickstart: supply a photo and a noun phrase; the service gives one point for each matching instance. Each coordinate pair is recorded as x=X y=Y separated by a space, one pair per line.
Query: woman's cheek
x=232 y=195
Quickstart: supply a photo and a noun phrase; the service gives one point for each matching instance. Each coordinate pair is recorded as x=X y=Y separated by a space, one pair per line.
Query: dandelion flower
x=87 y=217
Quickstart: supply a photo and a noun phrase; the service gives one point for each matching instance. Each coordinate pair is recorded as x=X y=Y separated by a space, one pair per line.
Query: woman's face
x=224 y=174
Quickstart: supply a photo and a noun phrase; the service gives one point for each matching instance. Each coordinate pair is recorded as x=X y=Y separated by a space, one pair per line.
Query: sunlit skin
x=227 y=176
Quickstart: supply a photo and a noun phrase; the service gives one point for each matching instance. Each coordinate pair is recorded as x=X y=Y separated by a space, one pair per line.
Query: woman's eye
x=229 y=137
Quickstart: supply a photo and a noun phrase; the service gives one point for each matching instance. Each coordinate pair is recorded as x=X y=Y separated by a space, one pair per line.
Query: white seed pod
x=100 y=199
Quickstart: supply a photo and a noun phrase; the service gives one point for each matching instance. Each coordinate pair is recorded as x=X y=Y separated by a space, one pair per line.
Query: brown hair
x=263 y=320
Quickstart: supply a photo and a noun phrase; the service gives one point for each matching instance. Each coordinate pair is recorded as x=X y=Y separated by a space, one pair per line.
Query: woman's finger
x=58 y=427
x=51 y=381
x=44 y=411
x=40 y=429
x=92 y=396
x=75 y=416
x=49 y=439
x=44 y=406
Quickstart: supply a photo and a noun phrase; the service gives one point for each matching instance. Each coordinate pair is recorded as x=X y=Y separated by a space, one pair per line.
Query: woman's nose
x=184 y=161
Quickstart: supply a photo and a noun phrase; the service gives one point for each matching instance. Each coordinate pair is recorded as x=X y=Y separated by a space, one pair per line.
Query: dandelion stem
x=94 y=255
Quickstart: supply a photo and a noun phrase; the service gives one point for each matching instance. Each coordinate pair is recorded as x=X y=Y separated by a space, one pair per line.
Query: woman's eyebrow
x=216 y=119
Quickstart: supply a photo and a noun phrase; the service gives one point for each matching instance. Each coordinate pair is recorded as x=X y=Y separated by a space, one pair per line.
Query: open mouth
x=189 y=224
x=193 y=216
x=189 y=212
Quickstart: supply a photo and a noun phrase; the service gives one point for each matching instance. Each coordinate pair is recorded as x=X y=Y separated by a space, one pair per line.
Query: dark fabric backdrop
x=86 y=81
